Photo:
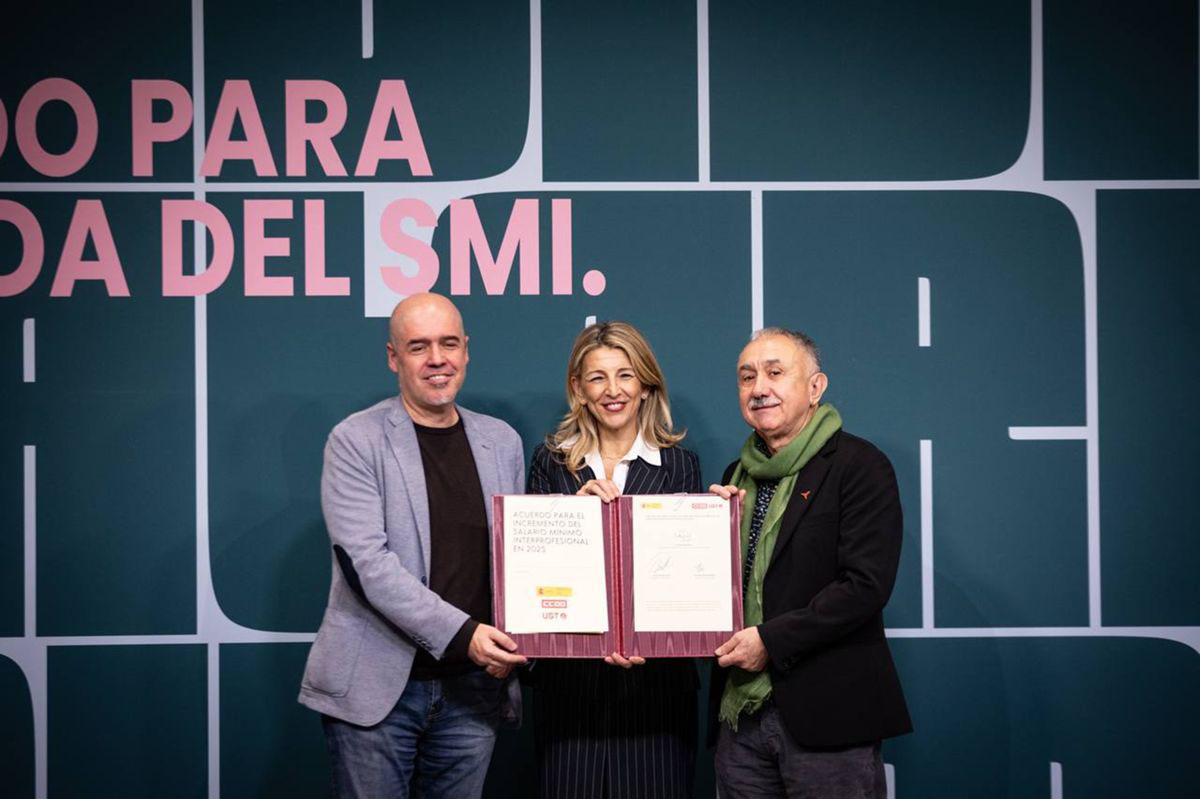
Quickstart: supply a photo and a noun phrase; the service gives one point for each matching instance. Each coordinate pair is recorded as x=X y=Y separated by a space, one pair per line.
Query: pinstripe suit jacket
x=679 y=472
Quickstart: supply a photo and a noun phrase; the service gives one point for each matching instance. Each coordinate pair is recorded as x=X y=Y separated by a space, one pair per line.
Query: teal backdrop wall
x=987 y=213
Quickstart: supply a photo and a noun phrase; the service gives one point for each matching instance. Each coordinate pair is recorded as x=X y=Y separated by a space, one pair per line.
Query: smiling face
x=779 y=388
x=428 y=352
x=609 y=387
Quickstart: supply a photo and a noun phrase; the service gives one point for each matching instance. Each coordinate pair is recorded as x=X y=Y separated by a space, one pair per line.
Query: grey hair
x=801 y=340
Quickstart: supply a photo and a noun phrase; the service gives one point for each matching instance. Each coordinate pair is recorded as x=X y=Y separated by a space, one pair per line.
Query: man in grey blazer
x=408 y=672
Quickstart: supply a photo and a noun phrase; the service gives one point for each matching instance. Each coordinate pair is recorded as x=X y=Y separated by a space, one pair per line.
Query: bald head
x=422 y=307
x=427 y=349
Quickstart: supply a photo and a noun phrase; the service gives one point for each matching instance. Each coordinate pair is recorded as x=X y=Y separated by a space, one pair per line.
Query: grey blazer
x=377 y=514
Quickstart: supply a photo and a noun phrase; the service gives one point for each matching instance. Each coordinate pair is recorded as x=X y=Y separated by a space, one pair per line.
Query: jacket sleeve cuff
x=774 y=647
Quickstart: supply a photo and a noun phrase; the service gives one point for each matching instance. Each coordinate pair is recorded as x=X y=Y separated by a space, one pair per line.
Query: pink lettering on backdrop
x=32 y=244
x=467 y=236
x=300 y=132
x=259 y=246
x=560 y=246
x=237 y=101
x=87 y=127
x=594 y=282
x=392 y=231
x=174 y=282
x=89 y=219
x=316 y=282
x=392 y=101
x=146 y=132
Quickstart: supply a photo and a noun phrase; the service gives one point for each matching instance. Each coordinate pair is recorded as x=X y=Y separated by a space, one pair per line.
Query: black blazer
x=830 y=575
x=679 y=472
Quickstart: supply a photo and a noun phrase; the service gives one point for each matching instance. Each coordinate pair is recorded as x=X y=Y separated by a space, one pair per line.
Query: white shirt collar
x=640 y=449
x=645 y=451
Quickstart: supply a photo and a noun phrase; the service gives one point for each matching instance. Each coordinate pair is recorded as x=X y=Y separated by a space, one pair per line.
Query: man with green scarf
x=807 y=690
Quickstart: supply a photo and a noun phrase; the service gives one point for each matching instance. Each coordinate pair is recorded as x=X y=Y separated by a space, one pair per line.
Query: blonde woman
x=624 y=728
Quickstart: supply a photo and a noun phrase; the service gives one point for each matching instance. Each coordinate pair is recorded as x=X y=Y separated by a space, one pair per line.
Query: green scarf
x=746 y=691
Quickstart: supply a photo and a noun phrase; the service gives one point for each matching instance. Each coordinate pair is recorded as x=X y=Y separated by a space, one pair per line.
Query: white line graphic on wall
x=29 y=652
x=924 y=333
x=703 y=129
x=756 y=260
x=28 y=352
x=29 y=457
x=1076 y=433
x=368 y=28
x=926 y=534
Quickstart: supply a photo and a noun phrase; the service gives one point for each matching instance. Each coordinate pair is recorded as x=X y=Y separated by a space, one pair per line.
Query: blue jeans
x=436 y=742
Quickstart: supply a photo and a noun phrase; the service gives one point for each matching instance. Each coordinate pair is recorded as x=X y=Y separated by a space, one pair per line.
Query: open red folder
x=618 y=520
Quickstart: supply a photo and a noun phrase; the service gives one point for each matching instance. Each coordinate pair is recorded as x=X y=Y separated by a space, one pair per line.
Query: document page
x=681 y=563
x=554 y=565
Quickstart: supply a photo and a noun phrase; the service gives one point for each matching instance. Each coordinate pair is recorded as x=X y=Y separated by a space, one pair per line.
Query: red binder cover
x=618 y=571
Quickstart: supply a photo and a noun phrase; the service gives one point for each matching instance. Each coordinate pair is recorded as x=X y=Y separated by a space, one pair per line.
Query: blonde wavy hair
x=654 y=414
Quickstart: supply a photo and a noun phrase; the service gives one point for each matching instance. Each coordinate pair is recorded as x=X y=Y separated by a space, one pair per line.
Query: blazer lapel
x=643 y=478
x=808 y=483
x=483 y=450
x=403 y=440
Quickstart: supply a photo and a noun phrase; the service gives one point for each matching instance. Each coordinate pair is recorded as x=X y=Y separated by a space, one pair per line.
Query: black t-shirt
x=460 y=559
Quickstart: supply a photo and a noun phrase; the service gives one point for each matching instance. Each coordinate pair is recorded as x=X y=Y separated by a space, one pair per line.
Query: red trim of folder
x=618 y=573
